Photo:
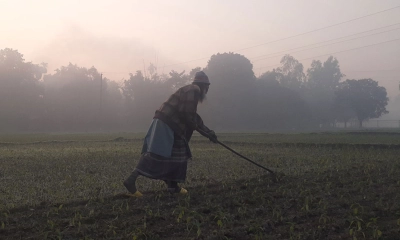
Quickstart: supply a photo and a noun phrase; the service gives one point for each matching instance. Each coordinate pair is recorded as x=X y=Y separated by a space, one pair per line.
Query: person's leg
x=130 y=183
x=174 y=188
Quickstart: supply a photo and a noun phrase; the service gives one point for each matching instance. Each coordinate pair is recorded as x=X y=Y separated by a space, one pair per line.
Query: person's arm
x=204 y=130
x=189 y=108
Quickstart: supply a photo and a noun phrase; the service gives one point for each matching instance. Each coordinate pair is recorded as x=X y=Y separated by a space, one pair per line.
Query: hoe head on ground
x=276 y=176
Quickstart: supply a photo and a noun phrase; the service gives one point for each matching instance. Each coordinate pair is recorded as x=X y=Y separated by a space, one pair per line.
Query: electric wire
x=315 y=30
x=293 y=36
x=319 y=29
x=266 y=56
x=347 y=50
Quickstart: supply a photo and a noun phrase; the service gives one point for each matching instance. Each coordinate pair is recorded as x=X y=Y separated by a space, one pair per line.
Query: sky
x=119 y=37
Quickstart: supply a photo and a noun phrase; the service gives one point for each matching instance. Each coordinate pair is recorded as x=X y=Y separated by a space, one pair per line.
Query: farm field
x=343 y=185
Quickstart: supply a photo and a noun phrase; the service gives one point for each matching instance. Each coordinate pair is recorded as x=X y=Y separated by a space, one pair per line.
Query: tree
x=112 y=113
x=324 y=76
x=342 y=112
x=78 y=99
x=230 y=97
x=193 y=72
x=364 y=97
x=177 y=80
x=277 y=107
x=271 y=78
x=142 y=97
x=230 y=70
x=322 y=80
x=394 y=107
x=21 y=91
x=291 y=70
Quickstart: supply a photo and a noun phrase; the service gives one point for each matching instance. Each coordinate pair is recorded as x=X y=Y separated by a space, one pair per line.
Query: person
x=165 y=151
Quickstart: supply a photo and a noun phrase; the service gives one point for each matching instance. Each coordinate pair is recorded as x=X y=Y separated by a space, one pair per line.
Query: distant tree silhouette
x=21 y=91
x=229 y=99
x=322 y=80
x=291 y=73
x=143 y=96
x=324 y=76
x=277 y=107
x=177 y=80
x=364 y=97
x=78 y=99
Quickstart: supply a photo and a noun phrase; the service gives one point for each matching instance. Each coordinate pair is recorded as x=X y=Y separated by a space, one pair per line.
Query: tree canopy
x=76 y=98
x=21 y=91
x=79 y=99
x=364 y=97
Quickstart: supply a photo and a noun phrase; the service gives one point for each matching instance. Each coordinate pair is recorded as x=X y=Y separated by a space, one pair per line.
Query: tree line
x=79 y=99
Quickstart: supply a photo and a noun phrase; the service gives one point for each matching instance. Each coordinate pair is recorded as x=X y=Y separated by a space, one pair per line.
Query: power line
x=379 y=70
x=270 y=54
x=315 y=30
x=397 y=39
x=117 y=72
x=324 y=45
x=319 y=29
x=299 y=47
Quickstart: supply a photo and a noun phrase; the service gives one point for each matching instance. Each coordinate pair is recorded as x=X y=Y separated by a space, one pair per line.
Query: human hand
x=212 y=136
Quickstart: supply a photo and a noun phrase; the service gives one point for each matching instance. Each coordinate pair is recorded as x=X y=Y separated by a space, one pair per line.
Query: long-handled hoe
x=274 y=176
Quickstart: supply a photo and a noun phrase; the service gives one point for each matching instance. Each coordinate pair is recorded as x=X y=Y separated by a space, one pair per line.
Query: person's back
x=179 y=111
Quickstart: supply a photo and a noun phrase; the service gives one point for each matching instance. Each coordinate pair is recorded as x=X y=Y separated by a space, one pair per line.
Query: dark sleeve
x=201 y=126
x=189 y=108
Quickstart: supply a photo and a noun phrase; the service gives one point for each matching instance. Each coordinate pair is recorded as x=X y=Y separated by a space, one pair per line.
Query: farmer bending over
x=165 y=151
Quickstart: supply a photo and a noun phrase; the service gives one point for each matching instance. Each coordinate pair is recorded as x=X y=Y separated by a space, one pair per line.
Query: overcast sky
x=122 y=36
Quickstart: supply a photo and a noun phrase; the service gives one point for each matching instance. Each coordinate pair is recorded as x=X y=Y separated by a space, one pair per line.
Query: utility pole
x=101 y=101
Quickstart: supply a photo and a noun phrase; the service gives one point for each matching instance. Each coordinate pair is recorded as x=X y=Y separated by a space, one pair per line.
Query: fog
x=115 y=57
x=80 y=42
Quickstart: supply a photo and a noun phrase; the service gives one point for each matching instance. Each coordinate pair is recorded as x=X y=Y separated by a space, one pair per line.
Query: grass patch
x=337 y=185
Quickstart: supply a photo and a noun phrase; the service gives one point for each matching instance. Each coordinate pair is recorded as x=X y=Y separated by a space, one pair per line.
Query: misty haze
x=95 y=95
x=90 y=76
